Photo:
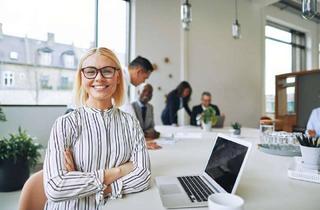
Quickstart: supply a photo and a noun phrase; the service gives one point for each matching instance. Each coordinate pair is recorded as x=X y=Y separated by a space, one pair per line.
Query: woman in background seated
x=176 y=99
x=313 y=126
x=108 y=145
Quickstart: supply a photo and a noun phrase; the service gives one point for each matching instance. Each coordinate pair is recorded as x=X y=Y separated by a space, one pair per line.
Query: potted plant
x=18 y=153
x=208 y=118
x=310 y=149
x=236 y=126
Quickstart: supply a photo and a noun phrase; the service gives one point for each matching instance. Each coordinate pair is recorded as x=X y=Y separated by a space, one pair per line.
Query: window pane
x=41 y=44
x=112 y=26
x=276 y=33
x=278 y=61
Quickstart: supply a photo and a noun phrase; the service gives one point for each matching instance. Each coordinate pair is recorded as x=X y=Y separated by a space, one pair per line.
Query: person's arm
x=110 y=175
x=186 y=106
x=312 y=121
x=61 y=181
x=150 y=132
x=138 y=179
x=217 y=110
x=61 y=185
x=151 y=117
x=172 y=110
x=193 y=120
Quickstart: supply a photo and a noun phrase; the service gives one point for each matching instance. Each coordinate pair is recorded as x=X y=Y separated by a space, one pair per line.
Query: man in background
x=138 y=71
x=144 y=112
x=205 y=103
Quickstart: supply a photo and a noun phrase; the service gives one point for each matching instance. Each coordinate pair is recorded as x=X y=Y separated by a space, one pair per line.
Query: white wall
x=156 y=36
x=229 y=69
x=36 y=120
x=232 y=70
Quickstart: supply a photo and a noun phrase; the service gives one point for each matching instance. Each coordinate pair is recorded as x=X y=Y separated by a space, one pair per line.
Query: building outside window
x=69 y=60
x=45 y=58
x=65 y=83
x=284 y=53
x=8 y=79
x=44 y=82
x=44 y=44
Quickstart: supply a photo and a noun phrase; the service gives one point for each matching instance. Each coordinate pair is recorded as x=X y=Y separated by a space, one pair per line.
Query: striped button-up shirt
x=99 y=140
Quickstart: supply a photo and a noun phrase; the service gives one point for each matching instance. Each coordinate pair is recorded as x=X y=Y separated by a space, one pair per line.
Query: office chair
x=32 y=195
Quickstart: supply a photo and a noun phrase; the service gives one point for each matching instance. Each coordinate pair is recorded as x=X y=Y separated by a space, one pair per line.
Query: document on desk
x=188 y=135
x=166 y=140
x=172 y=138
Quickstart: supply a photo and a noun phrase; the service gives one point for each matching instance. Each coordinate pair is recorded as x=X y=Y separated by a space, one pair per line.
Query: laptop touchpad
x=169 y=189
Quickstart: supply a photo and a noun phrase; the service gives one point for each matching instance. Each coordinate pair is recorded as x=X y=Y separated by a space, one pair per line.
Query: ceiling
x=294 y=6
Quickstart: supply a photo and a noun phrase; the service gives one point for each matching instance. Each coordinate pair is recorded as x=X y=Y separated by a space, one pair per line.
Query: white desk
x=264 y=184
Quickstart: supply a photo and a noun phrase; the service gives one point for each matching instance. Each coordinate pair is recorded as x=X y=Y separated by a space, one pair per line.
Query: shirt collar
x=140 y=104
x=99 y=111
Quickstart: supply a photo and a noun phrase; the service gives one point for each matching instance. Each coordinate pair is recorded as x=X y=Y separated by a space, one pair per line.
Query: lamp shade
x=236 y=30
x=186 y=16
x=309 y=8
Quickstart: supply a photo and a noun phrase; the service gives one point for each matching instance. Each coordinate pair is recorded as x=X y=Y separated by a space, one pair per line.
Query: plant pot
x=206 y=126
x=236 y=132
x=310 y=155
x=13 y=174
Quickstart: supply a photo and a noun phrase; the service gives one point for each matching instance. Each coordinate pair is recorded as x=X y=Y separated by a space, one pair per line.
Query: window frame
x=46 y=59
x=298 y=53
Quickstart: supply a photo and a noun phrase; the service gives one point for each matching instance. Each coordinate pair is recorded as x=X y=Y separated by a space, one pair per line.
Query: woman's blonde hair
x=81 y=95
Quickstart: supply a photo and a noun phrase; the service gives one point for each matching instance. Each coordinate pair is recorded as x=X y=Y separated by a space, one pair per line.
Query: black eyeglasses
x=90 y=72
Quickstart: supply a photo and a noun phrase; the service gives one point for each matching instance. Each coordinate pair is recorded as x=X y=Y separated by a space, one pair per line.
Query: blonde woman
x=108 y=145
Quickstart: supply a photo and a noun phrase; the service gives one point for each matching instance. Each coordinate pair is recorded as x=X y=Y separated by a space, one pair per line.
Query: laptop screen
x=225 y=162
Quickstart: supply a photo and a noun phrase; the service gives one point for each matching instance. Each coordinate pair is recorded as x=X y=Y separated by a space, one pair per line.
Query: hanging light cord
x=236 y=8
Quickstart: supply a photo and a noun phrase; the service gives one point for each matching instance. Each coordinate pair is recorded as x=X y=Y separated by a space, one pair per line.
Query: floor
x=10 y=200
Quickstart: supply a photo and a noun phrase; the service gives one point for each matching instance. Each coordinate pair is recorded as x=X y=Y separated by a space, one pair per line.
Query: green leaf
x=20 y=145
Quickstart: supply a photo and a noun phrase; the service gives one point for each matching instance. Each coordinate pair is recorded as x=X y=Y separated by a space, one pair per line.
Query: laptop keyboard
x=197 y=190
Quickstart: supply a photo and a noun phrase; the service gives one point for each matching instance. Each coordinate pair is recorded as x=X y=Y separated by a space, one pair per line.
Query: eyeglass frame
x=99 y=71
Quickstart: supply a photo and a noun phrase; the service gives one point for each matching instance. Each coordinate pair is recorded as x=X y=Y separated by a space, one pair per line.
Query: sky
x=72 y=21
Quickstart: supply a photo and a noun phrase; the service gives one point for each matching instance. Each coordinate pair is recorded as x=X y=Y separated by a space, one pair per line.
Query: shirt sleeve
x=172 y=111
x=193 y=117
x=139 y=179
x=186 y=107
x=61 y=185
x=152 y=117
x=314 y=121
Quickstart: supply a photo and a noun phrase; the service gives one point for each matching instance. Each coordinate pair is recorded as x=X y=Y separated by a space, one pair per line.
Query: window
x=45 y=58
x=284 y=53
x=44 y=82
x=111 y=33
x=69 y=61
x=46 y=46
x=8 y=79
x=64 y=83
x=13 y=55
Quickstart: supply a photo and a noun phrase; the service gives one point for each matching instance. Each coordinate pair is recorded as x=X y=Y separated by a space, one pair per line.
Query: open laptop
x=220 y=122
x=222 y=174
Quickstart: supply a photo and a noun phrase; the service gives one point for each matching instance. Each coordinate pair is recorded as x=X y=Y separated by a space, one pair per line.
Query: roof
x=27 y=50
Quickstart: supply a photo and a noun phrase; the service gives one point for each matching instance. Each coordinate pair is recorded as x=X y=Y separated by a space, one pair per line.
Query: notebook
x=222 y=174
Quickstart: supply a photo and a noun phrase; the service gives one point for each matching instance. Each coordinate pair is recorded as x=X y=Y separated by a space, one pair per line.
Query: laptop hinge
x=211 y=185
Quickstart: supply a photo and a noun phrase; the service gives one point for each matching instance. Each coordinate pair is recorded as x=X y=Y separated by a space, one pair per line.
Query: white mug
x=225 y=201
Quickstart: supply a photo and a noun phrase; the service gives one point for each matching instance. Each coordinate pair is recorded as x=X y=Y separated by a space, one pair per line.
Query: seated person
x=313 y=126
x=144 y=112
x=197 y=110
